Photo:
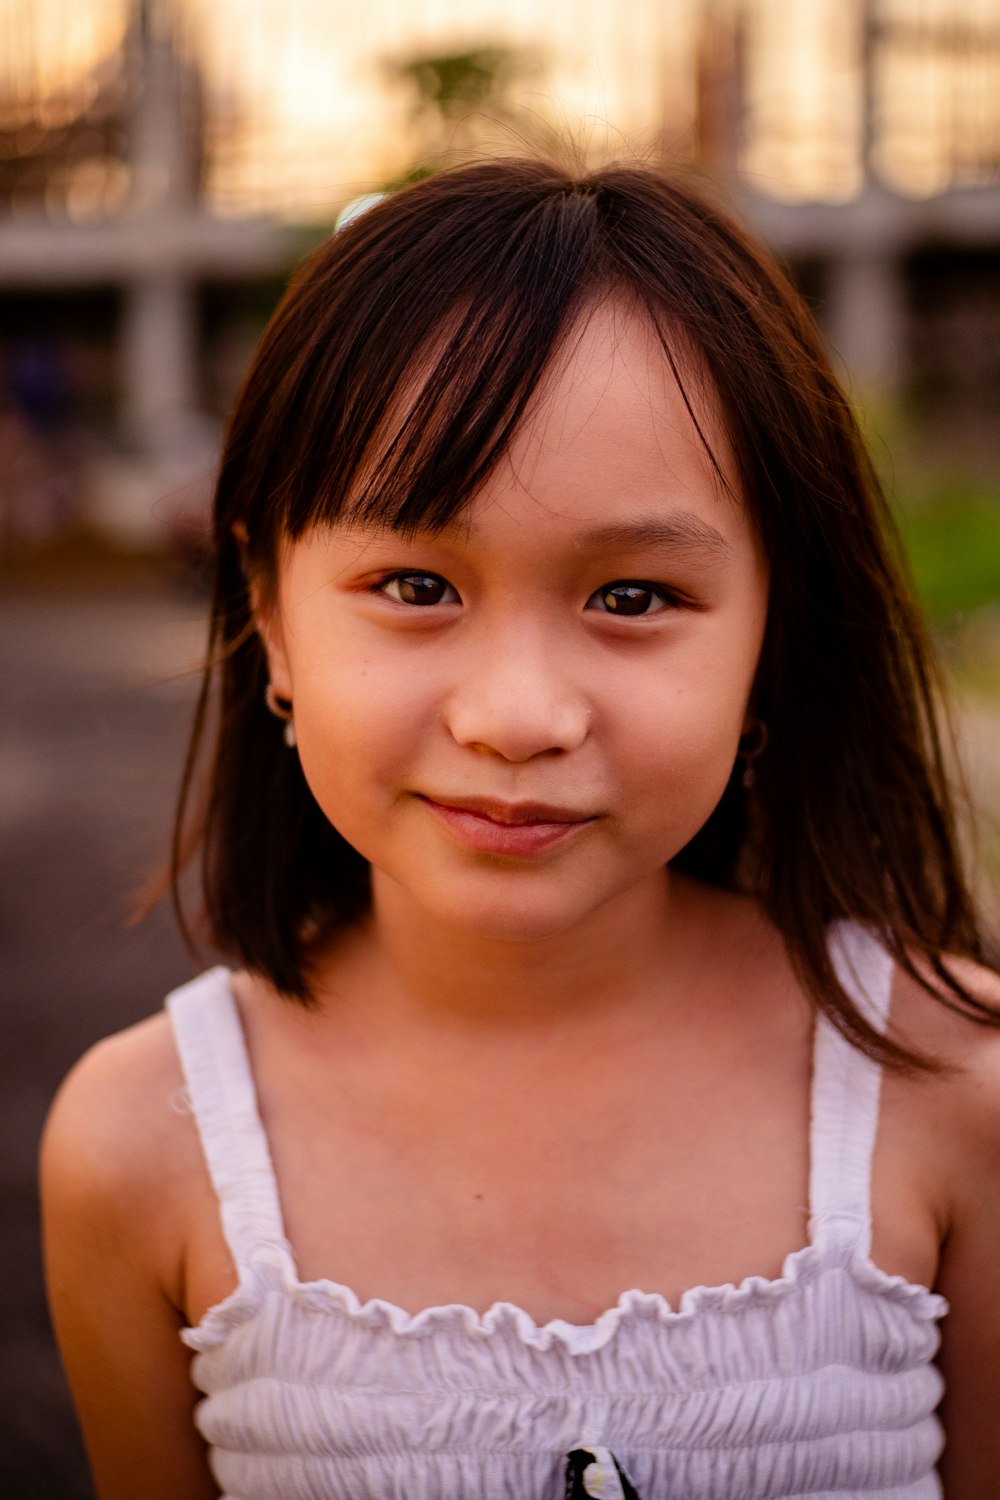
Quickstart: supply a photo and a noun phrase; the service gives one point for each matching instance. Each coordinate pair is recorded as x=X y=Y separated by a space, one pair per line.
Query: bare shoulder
x=955 y=1112
x=114 y=1143
x=968 y=1048
x=115 y=1100
x=949 y=1121
x=118 y=1158
x=953 y=1123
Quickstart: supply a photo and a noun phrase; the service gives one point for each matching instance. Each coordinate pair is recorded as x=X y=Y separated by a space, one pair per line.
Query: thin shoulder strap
x=846 y=1090
x=223 y=1101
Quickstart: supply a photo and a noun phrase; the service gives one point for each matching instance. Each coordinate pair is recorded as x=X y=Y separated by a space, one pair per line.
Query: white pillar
x=159 y=333
x=159 y=359
x=164 y=146
x=866 y=319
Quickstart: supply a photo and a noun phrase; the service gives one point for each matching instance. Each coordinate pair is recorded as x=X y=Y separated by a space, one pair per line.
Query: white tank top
x=818 y=1384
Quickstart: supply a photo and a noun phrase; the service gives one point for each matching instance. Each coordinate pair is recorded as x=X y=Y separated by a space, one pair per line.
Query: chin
x=519 y=916
x=517 y=927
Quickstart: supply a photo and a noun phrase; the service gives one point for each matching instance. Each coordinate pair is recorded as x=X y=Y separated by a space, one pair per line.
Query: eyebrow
x=681 y=531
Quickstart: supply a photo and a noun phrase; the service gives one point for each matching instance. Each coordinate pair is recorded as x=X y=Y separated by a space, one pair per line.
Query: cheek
x=682 y=745
x=356 y=730
x=689 y=745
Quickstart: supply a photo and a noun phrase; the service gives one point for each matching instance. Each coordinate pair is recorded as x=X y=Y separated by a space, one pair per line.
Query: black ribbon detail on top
x=596 y=1472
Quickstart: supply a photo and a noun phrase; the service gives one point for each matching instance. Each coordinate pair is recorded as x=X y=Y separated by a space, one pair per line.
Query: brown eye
x=627 y=598
x=417 y=588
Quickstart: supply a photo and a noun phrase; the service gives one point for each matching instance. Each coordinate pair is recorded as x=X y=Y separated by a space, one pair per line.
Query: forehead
x=621 y=420
x=648 y=401
x=621 y=440
x=622 y=450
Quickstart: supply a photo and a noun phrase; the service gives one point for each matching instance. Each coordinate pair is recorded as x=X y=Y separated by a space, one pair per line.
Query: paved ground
x=90 y=740
x=91 y=733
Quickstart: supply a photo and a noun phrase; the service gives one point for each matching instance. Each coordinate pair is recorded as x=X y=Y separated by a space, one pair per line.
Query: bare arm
x=970 y=1355
x=964 y=1112
x=970 y=1279
x=106 y=1246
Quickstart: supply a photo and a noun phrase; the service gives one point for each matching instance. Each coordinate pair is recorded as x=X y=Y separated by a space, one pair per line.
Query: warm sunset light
x=305 y=104
x=47 y=46
x=324 y=116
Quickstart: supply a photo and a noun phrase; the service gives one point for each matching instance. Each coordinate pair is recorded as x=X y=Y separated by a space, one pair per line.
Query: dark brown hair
x=476 y=275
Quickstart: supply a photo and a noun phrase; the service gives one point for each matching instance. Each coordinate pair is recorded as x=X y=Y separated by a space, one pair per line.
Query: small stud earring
x=752 y=744
x=282 y=709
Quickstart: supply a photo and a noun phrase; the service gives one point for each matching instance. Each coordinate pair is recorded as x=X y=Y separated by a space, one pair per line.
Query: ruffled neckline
x=844 y=1118
x=273 y=1270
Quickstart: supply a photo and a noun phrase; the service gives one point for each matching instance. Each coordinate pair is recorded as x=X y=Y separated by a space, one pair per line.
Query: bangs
x=407 y=350
x=411 y=394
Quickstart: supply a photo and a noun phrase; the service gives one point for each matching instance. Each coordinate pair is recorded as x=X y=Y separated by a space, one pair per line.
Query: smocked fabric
x=819 y=1383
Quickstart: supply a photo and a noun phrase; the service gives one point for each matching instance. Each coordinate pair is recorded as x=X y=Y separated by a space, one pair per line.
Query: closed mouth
x=511 y=814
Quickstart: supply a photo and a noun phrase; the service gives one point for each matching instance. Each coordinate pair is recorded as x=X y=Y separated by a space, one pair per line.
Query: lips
x=516 y=830
x=511 y=814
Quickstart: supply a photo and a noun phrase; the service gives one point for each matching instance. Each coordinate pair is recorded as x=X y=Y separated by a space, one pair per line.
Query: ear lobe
x=267 y=619
x=753 y=740
x=266 y=614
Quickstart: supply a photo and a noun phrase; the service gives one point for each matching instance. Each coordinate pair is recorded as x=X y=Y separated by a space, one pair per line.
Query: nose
x=518 y=698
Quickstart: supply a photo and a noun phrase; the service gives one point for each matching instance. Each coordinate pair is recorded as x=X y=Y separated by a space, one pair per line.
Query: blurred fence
x=164 y=162
x=283 y=106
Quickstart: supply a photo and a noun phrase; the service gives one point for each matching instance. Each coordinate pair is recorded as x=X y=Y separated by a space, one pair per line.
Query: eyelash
x=670 y=600
x=382 y=587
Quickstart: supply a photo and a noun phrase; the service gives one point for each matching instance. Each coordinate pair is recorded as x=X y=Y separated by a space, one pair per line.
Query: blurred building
x=123 y=300
x=153 y=169
x=897 y=244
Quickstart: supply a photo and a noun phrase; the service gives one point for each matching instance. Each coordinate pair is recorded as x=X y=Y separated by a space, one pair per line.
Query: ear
x=265 y=607
x=268 y=620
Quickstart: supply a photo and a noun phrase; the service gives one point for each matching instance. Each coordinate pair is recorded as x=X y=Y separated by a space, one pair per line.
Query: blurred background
x=165 y=163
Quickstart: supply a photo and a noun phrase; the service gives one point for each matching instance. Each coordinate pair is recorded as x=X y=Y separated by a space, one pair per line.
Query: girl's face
x=523 y=718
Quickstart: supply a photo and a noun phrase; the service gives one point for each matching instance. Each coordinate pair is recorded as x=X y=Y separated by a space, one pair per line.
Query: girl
x=576 y=818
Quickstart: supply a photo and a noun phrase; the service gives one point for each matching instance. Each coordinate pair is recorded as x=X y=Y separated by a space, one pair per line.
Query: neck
x=635 y=952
